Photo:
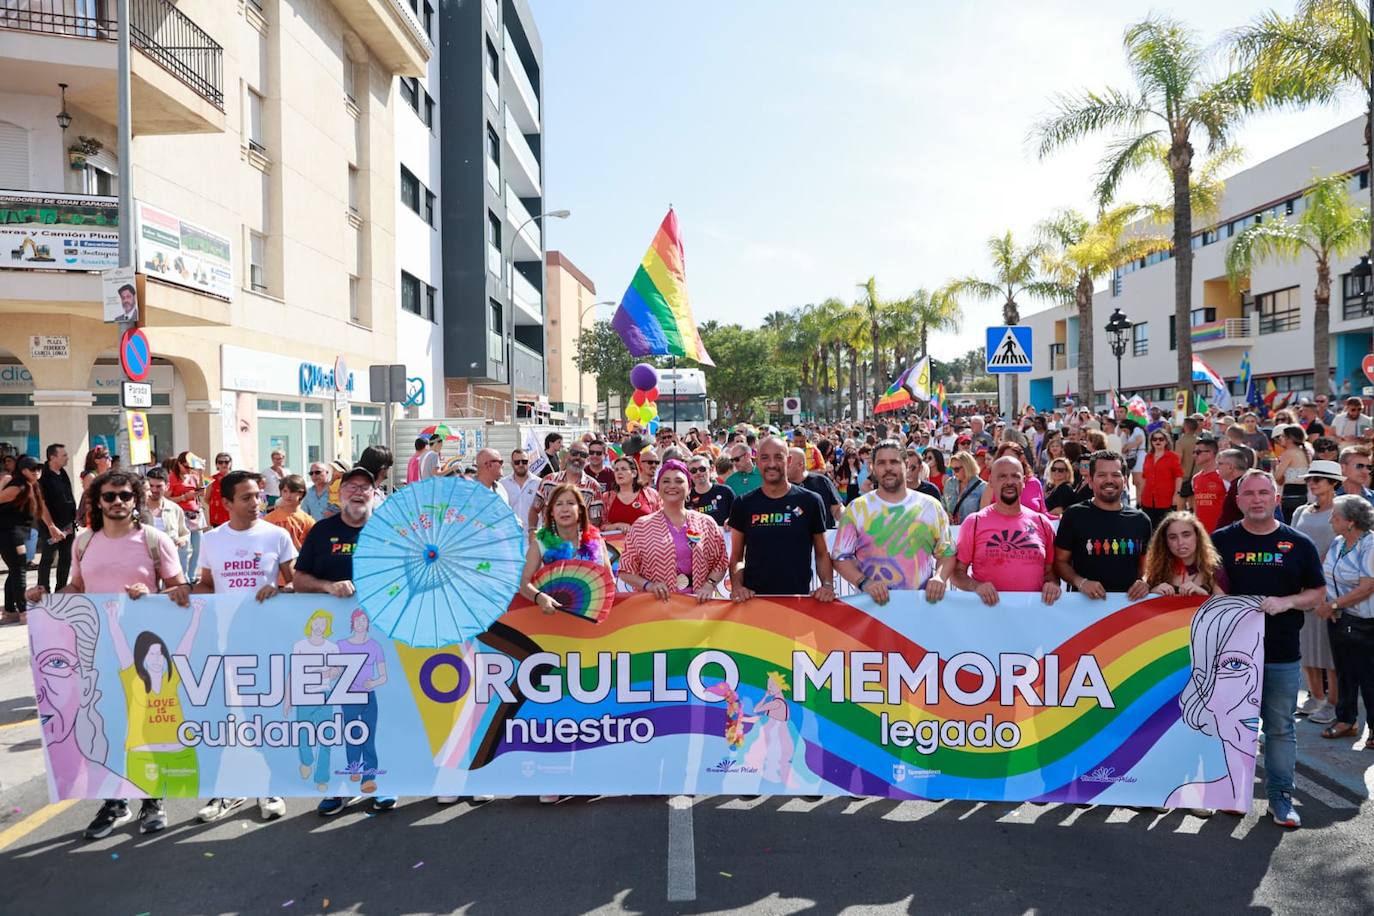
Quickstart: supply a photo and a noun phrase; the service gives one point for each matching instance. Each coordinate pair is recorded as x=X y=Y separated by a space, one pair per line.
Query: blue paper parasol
x=438 y=562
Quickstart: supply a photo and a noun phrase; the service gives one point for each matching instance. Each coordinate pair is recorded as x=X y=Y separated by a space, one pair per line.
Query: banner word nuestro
x=1146 y=703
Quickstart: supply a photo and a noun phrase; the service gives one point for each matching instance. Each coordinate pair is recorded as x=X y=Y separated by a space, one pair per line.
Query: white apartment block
x=1270 y=316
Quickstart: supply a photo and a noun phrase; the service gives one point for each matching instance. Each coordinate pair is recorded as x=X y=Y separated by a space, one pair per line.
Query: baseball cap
x=357 y=471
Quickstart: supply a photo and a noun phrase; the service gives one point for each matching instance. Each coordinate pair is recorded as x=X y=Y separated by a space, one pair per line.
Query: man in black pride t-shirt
x=1100 y=546
x=1263 y=556
x=774 y=532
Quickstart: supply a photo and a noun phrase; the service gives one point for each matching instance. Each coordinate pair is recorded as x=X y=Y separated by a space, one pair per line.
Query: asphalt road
x=703 y=855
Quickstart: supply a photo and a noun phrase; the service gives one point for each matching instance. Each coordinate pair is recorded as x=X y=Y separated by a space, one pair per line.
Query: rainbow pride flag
x=655 y=315
x=896 y=396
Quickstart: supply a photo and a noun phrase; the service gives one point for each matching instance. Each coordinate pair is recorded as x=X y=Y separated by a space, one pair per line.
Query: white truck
x=682 y=400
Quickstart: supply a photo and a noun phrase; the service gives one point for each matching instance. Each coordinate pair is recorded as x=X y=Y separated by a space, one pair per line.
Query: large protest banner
x=1146 y=703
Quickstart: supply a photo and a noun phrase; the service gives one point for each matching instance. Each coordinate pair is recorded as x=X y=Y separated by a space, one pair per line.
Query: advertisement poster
x=140 y=438
x=1147 y=703
x=175 y=251
x=57 y=232
x=119 y=290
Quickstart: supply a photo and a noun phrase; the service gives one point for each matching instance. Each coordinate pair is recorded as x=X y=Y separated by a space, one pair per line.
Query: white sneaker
x=1323 y=715
x=483 y=798
x=217 y=808
x=549 y=799
x=446 y=799
x=272 y=807
x=1310 y=705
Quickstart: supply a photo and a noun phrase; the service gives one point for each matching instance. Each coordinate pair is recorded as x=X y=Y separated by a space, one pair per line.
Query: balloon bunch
x=643 y=409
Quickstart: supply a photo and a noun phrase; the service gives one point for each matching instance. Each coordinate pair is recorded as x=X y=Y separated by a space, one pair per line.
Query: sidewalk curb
x=15 y=658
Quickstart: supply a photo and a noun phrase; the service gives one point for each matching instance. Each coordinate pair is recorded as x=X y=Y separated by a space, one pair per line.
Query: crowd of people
x=1069 y=500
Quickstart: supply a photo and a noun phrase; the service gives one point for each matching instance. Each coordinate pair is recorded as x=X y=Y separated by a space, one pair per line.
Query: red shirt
x=1209 y=492
x=218 y=514
x=1162 y=471
x=646 y=501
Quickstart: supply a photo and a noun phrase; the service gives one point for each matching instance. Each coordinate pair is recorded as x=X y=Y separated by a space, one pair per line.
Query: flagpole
x=674 y=358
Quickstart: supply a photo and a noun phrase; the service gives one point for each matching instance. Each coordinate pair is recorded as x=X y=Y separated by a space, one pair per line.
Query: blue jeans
x=316 y=755
x=1278 y=709
x=362 y=758
x=189 y=568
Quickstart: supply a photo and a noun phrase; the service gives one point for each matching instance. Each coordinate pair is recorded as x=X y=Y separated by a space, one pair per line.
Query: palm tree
x=853 y=328
x=1080 y=253
x=1330 y=224
x=873 y=307
x=937 y=311
x=1319 y=55
x=1175 y=96
x=1015 y=271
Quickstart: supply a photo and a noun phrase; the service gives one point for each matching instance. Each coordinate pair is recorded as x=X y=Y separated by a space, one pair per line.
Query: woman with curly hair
x=1181 y=559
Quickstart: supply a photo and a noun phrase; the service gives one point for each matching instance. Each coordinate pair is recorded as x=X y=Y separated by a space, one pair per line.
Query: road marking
x=682 y=852
x=33 y=721
x=16 y=832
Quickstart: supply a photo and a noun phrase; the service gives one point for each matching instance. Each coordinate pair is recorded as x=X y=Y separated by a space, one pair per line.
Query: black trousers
x=10 y=545
x=1352 y=647
x=62 y=550
x=1156 y=515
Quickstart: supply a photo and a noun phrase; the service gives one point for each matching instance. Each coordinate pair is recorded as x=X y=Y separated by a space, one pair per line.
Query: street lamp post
x=1118 y=326
x=510 y=301
x=581 y=406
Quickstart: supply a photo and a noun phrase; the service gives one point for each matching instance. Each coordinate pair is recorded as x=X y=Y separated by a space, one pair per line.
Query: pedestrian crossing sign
x=1008 y=349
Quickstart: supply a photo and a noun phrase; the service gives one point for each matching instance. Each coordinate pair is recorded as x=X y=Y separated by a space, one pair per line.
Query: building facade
x=491 y=161
x=264 y=174
x=570 y=305
x=1269 y=315
x=419 y=235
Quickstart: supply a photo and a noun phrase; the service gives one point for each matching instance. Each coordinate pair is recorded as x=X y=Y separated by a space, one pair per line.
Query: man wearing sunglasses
x=316 y=501
x=1356 y=464
x=521 y=486
x=596 y=464
x=745 y=478
x=117 y=554
x=574 y=465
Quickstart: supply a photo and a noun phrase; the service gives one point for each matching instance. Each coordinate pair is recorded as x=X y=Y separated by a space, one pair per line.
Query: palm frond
x=1274 y=239
x=1123 y=157
x=1165 y=57
x=1076 y=116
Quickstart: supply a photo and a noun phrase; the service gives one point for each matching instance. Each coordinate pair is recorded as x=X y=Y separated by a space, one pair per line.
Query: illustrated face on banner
x=63 y=683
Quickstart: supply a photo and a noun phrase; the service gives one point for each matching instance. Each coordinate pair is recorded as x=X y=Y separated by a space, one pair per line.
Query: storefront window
x=284 y=435
x=103 y=429
x=314 y=439
x=21 y=432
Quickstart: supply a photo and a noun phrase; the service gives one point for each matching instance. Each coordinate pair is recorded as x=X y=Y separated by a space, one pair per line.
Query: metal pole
x=125 y=131
x=509 y=266
x=675 y=393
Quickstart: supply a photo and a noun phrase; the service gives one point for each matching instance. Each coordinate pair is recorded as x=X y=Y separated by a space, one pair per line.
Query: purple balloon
x=644 y=376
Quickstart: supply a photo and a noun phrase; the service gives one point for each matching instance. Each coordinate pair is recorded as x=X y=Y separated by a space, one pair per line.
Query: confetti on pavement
x=417 y=864
x=209 y=855
x=287 y=904
x=727 y=874
x=114 y=855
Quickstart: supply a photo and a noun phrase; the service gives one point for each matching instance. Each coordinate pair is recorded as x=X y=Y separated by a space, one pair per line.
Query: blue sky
x=808 y=145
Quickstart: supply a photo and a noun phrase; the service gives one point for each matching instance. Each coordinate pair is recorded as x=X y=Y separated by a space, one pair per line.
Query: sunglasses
x=120 y=496
x=1361 y=467
x=597 y=454
x=699 y=470
x=317 y=473
x=651 y=463
x=520 y=464
x=575 y=453
x=737 y=459
x=221 y=464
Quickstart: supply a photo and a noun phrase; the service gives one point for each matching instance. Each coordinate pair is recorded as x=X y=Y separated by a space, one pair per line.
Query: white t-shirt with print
x=245 y=561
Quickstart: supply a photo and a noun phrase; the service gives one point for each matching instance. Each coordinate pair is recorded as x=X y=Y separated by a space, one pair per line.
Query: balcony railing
x=1226 y=329
x=162 y=32
x=527 y=295
x=519 y=215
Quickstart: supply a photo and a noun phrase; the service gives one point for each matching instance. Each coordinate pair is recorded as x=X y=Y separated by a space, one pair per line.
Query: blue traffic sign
x=1009 y=349
x=135 y=356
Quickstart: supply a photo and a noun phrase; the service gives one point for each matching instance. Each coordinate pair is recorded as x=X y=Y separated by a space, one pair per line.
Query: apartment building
x=1270 y=314
x=265 y=180
x=570 y=302
x=419 y=235
x=493 y=246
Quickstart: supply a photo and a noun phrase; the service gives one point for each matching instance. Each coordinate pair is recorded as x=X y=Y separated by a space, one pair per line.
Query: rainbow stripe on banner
x=655 y=315
x=1131 y=703
x=1044 y=740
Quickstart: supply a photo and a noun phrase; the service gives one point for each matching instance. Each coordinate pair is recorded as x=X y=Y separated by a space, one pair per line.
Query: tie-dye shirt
x=896 y=543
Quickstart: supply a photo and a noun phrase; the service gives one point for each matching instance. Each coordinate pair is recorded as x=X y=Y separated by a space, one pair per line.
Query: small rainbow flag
x=655 y=315
x=895 y=397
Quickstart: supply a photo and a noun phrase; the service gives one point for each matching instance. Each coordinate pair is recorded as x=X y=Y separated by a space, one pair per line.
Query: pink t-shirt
x=1010 y=551
x=108 y=564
